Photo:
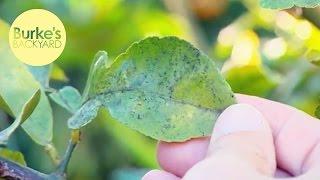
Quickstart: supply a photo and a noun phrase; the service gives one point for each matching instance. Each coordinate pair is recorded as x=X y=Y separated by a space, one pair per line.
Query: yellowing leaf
x=58 y=74
x=14 y=156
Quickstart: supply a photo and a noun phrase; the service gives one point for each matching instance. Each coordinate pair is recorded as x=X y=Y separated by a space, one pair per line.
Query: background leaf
x=263 y=84
x=15 y=79
x=157 y=86
x=26 y=111
x=17 y=85
x=313 y=56
x=285 y=4
x=58 y=74
x=14 y=156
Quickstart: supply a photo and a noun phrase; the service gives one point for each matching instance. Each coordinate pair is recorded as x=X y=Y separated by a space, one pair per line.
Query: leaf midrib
x=159 y=95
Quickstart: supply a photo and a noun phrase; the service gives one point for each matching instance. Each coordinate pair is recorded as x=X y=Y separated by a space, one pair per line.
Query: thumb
x=241 y=147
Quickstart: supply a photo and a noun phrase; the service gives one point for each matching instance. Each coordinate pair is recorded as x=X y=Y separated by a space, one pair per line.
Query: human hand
x=260 y=139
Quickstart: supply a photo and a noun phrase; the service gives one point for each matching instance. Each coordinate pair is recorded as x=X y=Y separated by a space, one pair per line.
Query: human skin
x=255 y=139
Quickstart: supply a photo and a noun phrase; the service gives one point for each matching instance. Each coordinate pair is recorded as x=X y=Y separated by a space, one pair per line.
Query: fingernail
x=239 y=118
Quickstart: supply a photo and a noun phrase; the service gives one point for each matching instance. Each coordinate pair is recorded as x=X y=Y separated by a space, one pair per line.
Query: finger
x=159 y=175
x=281 y=174
x=178 y=158
x=242 y=147
x=311 y=165
x=296 y=134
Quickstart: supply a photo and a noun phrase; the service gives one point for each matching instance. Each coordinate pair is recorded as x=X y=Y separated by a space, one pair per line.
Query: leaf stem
x=74 y=140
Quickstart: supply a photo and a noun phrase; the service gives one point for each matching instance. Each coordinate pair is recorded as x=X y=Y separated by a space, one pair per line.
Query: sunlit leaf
x=164 y=88
x=313 y=56
x=249 y=79
x=58 y=74
x=14 y=156
x=286 y=4
x=26 y=111
x=67 y=97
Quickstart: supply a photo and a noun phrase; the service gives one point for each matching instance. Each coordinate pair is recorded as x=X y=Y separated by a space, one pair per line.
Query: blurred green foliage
x=262 y=52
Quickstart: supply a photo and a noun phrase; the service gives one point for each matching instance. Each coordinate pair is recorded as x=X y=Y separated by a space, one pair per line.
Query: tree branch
x=11 y=170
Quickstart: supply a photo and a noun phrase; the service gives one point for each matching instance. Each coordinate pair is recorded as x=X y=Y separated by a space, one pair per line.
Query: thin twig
x=74 y=140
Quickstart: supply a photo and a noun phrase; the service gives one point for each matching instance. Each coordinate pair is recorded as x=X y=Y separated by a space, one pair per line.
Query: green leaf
x=163 y=87
x=262 y=85
x=85 y=114
x=17 y=85
x=14 y=156
x=286 y=4
x=100 y=63
x=58 y=74
x=313 y=56
x=41 y=74
x=27 y=110
x=67 y=97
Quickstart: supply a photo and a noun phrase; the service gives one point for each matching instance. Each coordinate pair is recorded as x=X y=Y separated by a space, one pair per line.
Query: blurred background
x=261 y=52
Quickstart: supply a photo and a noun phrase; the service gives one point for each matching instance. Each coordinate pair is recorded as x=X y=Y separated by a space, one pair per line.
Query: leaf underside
x=68 y=97
x=163 y=87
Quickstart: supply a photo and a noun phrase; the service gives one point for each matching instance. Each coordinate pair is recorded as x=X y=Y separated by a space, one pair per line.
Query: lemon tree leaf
x=41 y=74
x=27 y=110
x=14 y=156
x=100 y=63
x=286 y=4
x=67 y=97
x=262 y=85
x=17 y=85
x=163 y=87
